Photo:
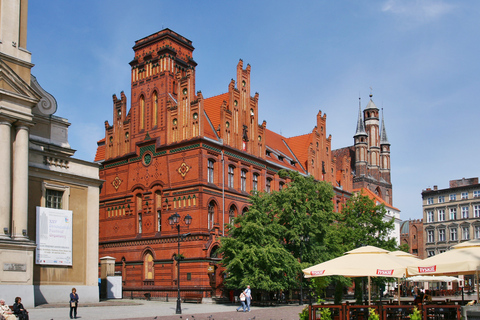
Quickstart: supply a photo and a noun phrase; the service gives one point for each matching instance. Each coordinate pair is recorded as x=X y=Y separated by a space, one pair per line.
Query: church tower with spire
x=372 y=153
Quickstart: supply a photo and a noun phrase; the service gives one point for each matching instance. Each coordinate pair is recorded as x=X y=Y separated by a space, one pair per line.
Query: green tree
x=264 y=245
x=362 y=222
x=253 y=253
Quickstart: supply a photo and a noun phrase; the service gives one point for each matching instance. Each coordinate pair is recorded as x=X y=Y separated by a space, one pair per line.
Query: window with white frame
x=430 y=236
x=441 y=235
x=453 y=234
x=477 y=232
x=210 y=171
x=441 y=199
x=453 y=213
x=476 y=211
x=476 y=193
x=429 y=200
x=453 y=197
x=431 y=253
x=430 y=216
x=267 y=187
x=466 y=233
x=441 y=250
x=255 y=181
x=231 y=176
x=464 y=195
x=441 y=214
x=243 y=180
x=280 y=186
x=464 y=212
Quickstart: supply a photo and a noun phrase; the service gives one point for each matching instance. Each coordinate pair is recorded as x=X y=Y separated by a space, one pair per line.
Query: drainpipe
x=223 y=195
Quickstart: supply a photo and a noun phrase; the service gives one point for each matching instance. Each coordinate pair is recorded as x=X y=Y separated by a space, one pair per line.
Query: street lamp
x=302 y=238
x=174 y=221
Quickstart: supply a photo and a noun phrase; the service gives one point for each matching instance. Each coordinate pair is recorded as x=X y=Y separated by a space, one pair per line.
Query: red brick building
x=412 y=234
x=175 y=151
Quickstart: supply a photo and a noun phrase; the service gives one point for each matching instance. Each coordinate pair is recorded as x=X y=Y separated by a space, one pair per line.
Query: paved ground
x=142 y=310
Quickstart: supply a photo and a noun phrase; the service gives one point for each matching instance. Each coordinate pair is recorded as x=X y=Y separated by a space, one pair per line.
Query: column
x=5 y=175
x=20 y=183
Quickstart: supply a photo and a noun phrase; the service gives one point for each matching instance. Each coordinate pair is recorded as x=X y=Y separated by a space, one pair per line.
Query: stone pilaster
x=6 y=177
x=20 y=182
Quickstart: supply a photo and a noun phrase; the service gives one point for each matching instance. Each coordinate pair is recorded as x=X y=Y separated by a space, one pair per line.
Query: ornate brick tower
x=372 y=153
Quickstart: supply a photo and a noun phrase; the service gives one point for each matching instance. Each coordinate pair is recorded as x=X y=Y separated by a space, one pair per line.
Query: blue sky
x=421 y=59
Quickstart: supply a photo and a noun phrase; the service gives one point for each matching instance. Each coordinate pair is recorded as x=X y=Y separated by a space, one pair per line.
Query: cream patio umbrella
x=368 y=261
x=463 y=258
x=406 y=259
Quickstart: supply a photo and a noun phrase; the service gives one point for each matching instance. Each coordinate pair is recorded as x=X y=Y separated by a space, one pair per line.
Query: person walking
x=73 y=303
x=242 y=301
x=248 y=296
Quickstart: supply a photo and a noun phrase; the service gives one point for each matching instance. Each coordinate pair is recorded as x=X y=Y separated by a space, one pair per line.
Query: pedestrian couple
x=245 y=298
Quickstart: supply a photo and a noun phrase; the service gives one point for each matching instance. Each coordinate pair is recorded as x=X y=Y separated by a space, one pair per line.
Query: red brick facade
x=178 y=152
x=411 y=233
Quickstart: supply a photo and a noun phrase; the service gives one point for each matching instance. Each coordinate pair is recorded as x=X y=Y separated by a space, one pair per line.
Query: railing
x=397 y=312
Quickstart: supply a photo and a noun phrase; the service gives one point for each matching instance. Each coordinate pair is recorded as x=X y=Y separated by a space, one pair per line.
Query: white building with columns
x=37 y=171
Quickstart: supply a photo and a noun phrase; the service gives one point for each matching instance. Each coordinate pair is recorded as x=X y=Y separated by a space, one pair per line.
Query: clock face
x=227 y=124
x=195 y=116
x=119 y=112
x=185 y=91
x=251 y=112
x=174 y=122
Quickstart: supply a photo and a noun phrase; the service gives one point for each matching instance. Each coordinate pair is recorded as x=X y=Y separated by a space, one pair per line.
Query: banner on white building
x=54 y=237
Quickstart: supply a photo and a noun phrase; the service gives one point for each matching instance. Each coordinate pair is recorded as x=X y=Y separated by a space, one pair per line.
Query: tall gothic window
x=148 y=266
x=255 y=181
x=210 y=171
x=231 y=214
x=139 y=222
x=243 y=184
x=231 y=176
x=268 y=186
x=158 y=205
x=211 y=215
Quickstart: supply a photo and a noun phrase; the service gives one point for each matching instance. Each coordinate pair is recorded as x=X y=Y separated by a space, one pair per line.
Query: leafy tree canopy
x=264 y=245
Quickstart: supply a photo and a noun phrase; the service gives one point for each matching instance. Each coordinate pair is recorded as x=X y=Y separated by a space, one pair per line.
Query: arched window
x=158 y=206
x=232 y=213
x=142 y=112
x=281 y=185
x=231 y=176
x=211 y=215
x=148 y=266
x=268 y=186
x=255 y=181
x=245 y=210
x=243 y=184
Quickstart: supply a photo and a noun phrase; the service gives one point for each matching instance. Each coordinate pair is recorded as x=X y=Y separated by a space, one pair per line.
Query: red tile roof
x=276 y=143
x=100 y=154
x=212 y=108
x=373 y=196
x=299 y=146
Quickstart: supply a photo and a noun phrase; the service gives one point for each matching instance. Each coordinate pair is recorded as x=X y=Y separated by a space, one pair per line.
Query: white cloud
x=418 y=10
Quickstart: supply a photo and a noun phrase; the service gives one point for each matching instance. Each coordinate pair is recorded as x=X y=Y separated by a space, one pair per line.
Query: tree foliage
x=264 y=245
x=362 y=222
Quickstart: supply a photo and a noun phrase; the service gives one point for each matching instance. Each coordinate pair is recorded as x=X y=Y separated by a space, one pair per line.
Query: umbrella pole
x=398 y=289
x=476 y=276
x=369 y=292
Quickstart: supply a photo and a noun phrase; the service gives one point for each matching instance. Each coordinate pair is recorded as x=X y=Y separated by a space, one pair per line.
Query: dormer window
x=280 y=158
x=292 y=163
x=267 y=153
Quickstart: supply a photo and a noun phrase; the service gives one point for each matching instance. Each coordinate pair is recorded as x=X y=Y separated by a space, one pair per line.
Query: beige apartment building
x=451 y=215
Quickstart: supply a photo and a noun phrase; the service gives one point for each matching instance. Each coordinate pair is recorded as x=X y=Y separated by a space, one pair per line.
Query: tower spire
x=383 y=134
x=360 y=123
